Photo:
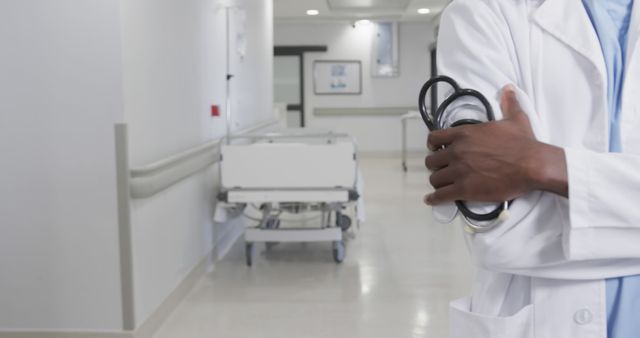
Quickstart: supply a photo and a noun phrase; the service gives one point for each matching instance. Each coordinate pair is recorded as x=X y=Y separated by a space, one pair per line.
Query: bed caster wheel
x=344 y=222
x=248 y=253
x=339 y=251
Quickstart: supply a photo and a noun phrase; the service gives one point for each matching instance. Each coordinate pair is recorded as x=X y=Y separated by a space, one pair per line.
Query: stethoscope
x=476 y=222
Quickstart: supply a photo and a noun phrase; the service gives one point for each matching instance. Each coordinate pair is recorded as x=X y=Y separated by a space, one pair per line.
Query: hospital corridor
x=319 y=169
x=397 y=279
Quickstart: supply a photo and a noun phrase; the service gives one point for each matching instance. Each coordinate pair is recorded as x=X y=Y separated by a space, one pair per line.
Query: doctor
x=566 y=77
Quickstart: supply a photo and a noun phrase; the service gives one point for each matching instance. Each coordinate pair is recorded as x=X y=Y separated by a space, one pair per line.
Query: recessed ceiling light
x=313 y=12
x=362 y=23
x=424 y=11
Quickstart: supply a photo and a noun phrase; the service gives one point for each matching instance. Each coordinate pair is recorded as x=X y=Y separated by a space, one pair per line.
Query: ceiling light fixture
x=424 y=11
x=313 y=12
x=362 y=23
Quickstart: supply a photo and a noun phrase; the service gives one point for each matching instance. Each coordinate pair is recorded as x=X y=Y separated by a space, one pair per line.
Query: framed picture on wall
x=335 y=77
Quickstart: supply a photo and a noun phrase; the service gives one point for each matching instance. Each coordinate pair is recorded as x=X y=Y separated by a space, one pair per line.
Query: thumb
x=509 y=103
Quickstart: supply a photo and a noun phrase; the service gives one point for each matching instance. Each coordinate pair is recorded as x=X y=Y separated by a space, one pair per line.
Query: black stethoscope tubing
x=435 y=123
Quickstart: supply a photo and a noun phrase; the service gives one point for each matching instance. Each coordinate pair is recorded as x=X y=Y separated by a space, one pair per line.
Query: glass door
x=287 y=87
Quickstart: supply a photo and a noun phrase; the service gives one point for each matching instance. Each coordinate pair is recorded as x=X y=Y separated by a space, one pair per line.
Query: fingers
x=509 y=102
x=442 y=178
x=438 y=159
x=439 y=138
x=443 y=195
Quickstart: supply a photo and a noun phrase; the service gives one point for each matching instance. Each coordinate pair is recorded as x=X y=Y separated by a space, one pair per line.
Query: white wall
x=174 y=66
x=70 y=70
x=60 y=94
x=378 y=134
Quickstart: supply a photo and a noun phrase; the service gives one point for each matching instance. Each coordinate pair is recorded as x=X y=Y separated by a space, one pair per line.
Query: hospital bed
x=292 y=172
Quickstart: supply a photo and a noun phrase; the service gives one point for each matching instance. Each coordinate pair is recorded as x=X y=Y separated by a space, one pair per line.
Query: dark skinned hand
x=494 y=161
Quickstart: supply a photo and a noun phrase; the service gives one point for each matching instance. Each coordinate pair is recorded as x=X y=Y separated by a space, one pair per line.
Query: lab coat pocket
x=466 y=324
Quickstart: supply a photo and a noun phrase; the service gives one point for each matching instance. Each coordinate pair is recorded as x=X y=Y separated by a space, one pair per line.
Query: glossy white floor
x=401 y=271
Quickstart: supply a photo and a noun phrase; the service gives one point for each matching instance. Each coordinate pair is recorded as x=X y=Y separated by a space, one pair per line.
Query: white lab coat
x=540 y=273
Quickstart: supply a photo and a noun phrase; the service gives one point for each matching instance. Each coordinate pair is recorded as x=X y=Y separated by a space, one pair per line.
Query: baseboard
x=160 y=315
x=150 y=325
x=65 y=334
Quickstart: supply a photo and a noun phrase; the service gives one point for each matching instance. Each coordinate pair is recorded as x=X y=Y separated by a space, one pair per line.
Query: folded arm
x=594 y=233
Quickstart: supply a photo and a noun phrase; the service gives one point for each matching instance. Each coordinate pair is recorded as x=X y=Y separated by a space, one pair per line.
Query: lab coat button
x=583 y=317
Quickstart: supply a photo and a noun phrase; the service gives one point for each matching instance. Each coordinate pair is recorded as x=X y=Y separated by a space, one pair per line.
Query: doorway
x=288 y=80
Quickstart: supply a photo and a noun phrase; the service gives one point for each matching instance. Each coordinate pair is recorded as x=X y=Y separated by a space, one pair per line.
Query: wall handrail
x=155 y=177
x=173 y=160
x=362 y=111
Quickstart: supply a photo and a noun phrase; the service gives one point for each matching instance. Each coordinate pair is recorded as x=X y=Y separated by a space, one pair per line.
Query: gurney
x=292 y=172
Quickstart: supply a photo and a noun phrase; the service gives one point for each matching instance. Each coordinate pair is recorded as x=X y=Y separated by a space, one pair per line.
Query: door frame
x=299 y=52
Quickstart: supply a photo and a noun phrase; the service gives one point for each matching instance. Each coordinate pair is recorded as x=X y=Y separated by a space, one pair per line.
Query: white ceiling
x=396 y=10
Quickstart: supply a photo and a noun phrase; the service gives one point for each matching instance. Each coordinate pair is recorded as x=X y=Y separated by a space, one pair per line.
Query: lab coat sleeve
x=546 y=235
x=473 y=49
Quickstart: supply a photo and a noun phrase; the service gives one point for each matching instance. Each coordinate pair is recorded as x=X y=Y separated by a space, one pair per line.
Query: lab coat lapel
x=567 y=21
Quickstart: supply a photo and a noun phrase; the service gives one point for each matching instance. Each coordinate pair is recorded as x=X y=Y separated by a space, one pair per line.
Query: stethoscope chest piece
x=445 y=213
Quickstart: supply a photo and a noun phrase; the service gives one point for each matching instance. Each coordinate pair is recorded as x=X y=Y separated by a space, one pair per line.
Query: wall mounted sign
x=337 y=77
